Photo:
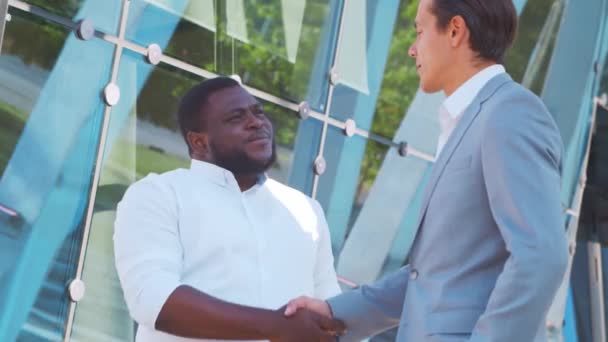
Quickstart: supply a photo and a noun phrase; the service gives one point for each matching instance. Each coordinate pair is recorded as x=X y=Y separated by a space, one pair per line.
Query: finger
x=294 y=305
x=335 y=326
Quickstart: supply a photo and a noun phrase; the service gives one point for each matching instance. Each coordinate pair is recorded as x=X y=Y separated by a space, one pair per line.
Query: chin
x=429 y=89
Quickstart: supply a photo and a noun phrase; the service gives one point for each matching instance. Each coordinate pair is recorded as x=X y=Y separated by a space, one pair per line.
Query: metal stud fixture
x=320 y=165
x=572 y=248
x=76 y=290
x=237 y=78
x=403 y=149
x=334 y=78
x=350 y=127
x=8 y=17
x=304 y=110
x=85 y=29
x=603 y=100
x=153 y=54
x=111 y=94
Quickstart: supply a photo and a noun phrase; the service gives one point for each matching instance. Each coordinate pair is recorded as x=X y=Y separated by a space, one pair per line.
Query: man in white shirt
x=213 y=252
x=490 y=250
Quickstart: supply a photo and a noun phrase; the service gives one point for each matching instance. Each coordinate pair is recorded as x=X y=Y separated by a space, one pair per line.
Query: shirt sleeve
x=326 y=281
x=148 y=252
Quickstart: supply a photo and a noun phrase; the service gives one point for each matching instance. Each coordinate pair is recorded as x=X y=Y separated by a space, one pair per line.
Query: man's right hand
x=316 y=305
x=305 y=326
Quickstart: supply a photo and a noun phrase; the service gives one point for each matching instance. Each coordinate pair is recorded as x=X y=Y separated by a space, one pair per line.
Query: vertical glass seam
x=315 y=183
x=100 y=152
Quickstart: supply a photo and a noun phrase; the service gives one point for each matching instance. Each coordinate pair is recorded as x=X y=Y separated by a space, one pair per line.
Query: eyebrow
x=232 y=110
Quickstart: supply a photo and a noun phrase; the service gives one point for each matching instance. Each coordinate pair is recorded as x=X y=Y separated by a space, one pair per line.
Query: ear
x=198 y=143
x=458 y=31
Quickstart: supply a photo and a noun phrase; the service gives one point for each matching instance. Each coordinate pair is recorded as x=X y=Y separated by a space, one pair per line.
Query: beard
x=239 y=162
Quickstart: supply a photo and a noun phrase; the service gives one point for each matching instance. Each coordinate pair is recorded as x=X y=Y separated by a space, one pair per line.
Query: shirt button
x=414 y=274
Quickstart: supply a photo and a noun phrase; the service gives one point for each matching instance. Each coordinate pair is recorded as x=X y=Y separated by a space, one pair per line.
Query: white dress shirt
x=261 y=247
x=454 y=106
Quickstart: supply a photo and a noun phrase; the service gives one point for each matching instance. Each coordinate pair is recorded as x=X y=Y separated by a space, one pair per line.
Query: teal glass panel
x=106 y=13
x=276 y=46
x=51 y=114
x=527 y=61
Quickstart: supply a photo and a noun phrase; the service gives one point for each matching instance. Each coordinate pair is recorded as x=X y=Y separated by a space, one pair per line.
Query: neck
x=246 y=181
x=464 y=74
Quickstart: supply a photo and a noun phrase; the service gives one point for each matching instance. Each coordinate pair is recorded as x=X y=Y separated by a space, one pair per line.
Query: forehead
x=230 y=98
x=424 y=12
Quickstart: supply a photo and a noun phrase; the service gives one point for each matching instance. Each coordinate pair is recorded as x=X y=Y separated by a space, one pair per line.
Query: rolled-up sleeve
x=326 y=281
x=148 y=252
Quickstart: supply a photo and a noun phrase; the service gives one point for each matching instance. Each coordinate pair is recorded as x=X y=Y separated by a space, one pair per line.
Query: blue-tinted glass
x=362 y=177
x=281 y=47
x=306 y=149
x=105 y=14
x=377 y=79
x=51 y=114
x=528 y=59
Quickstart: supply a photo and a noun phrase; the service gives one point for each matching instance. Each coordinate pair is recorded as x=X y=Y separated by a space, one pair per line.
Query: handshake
x=308 y=319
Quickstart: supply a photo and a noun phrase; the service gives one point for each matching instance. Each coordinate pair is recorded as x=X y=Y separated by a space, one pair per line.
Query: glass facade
x=70 y=145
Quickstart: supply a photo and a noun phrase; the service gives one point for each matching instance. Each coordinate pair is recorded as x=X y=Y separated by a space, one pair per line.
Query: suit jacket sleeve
x=521 y=163
x=371 y=309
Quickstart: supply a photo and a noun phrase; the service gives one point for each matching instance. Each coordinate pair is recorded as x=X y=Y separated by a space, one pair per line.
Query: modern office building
x=88 y=94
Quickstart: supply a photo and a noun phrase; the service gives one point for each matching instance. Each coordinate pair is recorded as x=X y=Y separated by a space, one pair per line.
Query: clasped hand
x=308 y=320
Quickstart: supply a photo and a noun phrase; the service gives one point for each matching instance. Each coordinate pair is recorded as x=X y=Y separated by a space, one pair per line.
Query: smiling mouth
x=259 y=138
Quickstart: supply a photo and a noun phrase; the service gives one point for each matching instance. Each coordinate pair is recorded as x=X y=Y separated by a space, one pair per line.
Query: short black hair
x=191 y=106
x=492 y=23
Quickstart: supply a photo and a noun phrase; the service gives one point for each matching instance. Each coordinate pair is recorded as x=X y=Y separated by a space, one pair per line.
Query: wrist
x=275 y=324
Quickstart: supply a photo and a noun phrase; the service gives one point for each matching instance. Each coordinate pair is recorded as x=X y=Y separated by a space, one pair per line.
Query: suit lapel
x=467 y=118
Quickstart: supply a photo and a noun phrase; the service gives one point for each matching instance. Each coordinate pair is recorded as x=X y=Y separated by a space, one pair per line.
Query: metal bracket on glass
x=304 y=110
x=350 y=127
x=334 y=78
x=403 y=149
x=8 y=17
x=602 y=100
x=111 y=94
x=3 y=13
x=347 y=282
x=14 y=221
x=237 y=78
x=84 y=29
x=320 y=165
x=76 y=290
x=153 y=54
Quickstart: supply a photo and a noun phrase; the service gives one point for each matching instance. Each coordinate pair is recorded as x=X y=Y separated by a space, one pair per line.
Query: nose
x=412 y=51
x=255 y=121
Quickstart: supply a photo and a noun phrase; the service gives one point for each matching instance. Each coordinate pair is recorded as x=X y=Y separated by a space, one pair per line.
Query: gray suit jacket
x=490 y=251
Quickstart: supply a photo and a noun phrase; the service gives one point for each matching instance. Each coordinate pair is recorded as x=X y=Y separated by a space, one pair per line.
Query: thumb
x=293 y=306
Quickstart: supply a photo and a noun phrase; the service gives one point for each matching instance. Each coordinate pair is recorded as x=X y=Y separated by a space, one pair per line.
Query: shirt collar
x=220 y=175
x=456 y=103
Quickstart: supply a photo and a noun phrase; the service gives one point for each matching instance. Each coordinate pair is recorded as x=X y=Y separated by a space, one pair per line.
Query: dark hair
x=492 y=23
x=191 y=106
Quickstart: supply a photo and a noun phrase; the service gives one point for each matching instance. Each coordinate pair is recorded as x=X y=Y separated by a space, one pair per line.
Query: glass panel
x=603 y=88
x=390 y=77
x=528 y=59
x=105 y=14
x=352 y=164
x=51 y=115
x=249 y=38
x=143 y=138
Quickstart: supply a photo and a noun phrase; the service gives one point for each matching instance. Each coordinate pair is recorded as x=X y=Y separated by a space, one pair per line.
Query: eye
x=236 y=116
x=258 y=110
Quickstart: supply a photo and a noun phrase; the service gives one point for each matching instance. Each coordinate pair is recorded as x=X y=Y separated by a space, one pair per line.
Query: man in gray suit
x=490 y=251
